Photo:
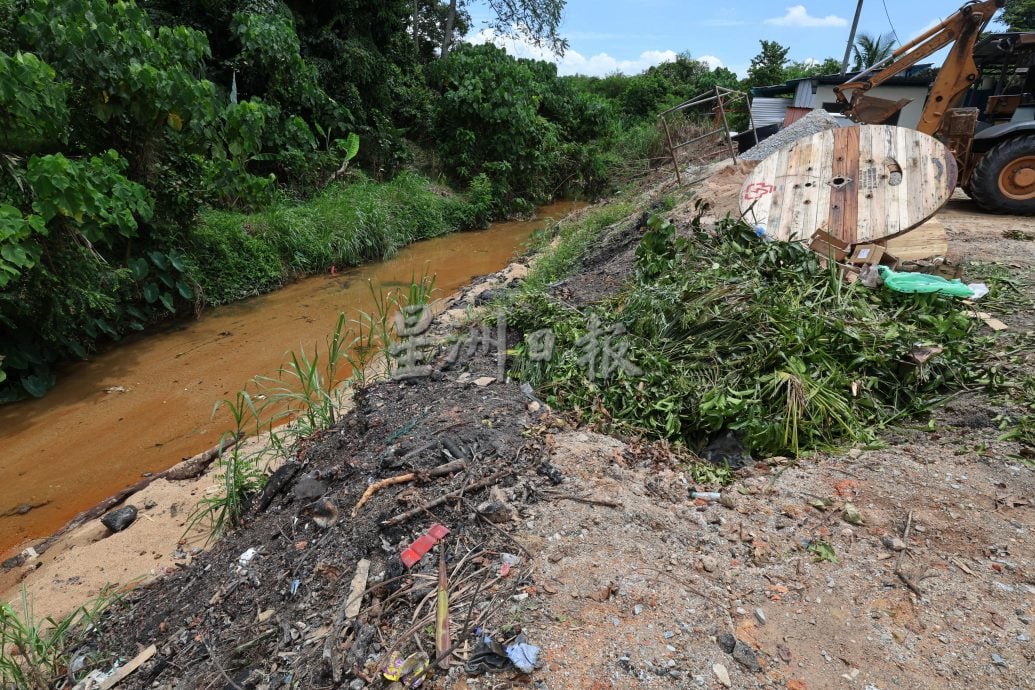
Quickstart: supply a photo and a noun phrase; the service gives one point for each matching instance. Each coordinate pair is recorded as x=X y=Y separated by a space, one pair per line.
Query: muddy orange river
x=146 y=403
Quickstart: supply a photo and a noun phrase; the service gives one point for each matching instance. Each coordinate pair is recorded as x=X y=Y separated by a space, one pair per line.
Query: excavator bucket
x=871 y=110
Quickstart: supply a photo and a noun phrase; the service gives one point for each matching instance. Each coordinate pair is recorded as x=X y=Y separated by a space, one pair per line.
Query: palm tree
x=869 y=50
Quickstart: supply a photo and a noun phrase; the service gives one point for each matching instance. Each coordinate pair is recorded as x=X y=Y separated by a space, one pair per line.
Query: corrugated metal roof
x=769 y=111
x=794 y=114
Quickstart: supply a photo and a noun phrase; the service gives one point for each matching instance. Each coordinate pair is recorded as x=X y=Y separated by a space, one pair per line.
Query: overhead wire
x=890 y=23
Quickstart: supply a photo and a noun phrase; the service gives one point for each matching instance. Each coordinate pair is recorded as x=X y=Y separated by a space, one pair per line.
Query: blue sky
x=631 y=35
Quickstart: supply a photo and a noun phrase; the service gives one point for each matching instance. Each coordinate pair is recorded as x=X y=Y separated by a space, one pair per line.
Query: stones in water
x=118 y=520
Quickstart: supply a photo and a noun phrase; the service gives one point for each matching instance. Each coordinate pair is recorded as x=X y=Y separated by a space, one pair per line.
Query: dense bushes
x=156 y=157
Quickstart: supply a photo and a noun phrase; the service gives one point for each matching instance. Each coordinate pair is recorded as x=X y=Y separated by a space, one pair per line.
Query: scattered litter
x=529 y=392
x=869 y=276
x=356 y=590
x=866 y=254
x=118 y=674
x=922 y=353
x=488 y=656
x=924 y=283
x=295 y=584
x=706 y=495
x=760 y=616
x=990 y=321
x=523 y=655
x=424 y=543
x=245 y=558
x=509 y=560
x=829 y=246
x=409 y=671
x=484 y=381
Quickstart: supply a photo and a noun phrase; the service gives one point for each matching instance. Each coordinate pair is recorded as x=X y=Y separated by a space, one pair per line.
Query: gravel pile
x=814 y=122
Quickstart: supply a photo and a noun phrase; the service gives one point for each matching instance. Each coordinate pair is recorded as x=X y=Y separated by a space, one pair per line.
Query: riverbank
x=901 y=561
x=147 y=403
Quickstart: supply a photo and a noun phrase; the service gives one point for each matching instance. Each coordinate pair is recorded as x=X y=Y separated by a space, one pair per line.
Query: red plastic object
x=424 y=543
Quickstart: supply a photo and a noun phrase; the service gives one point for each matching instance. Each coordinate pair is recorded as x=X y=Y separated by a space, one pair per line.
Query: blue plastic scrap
x=523 y=655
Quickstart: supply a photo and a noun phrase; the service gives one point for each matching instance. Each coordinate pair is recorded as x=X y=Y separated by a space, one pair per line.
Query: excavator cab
x=1001 y=171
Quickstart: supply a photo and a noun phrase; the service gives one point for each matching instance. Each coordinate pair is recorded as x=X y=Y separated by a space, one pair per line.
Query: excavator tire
x=1004 y=179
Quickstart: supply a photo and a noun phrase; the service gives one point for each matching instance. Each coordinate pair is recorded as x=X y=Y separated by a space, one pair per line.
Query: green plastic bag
x=922 y=283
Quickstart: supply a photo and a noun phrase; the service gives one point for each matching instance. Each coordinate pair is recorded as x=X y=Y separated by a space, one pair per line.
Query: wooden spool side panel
x=844 y=192
x=858 y=183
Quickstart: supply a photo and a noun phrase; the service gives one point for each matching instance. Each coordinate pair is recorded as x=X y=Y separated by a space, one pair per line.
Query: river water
x=145 y=404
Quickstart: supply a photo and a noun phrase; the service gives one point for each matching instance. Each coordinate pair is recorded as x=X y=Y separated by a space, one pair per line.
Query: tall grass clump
x=235 y=254
x=35 y=653
x=732 y=332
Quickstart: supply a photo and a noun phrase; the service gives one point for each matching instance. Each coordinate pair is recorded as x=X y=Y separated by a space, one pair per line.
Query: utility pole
x=851 y=38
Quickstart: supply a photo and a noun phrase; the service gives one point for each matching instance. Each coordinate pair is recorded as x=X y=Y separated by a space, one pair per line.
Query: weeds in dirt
x=304 y=399
x=307 y=390
x=822 y=551
x=1015 y=234
x=239 y=473
x=1021 y=428
x=733 y=332
x=709 y=474
x=35 y=653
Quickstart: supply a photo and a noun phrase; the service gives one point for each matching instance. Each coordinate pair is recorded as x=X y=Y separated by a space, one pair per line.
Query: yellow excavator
x=981 y=104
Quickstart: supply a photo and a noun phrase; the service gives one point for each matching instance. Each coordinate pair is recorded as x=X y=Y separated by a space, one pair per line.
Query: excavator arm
x=957 y=74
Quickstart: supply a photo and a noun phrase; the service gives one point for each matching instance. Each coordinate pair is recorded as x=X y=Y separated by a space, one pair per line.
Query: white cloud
x=573 y=62
x=710 y=60
x=798 y=16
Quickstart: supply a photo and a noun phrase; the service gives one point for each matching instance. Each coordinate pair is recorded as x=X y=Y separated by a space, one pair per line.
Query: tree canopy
x=767 y=68
x=1018 y=15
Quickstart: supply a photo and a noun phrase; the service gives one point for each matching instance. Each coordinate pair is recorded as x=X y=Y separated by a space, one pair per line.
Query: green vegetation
x=1018 y=15
x=235 y=255
x=574 y=237
x=734 y=332
x=161 y=157
x=35 y=654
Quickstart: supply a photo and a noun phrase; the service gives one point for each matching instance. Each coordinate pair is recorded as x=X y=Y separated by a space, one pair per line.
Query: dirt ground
x=592 y=548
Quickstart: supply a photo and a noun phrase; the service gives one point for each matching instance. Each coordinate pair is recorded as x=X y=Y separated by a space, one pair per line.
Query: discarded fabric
x=488 y=656
x=523 y=655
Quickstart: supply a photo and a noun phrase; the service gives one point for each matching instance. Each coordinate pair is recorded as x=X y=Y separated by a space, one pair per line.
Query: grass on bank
x=235 y=255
